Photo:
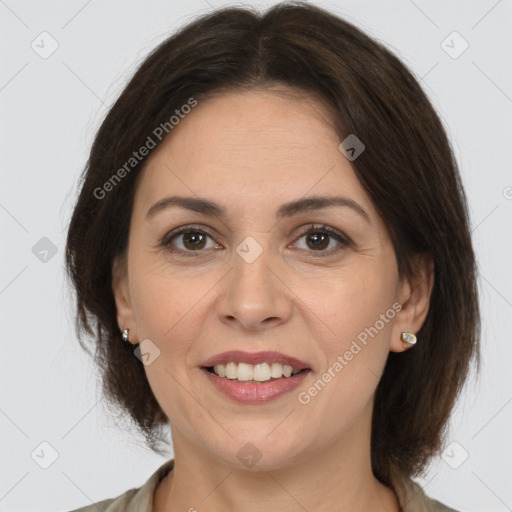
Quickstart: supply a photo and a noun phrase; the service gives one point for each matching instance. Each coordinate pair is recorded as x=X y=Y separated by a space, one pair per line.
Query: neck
x=339 y=478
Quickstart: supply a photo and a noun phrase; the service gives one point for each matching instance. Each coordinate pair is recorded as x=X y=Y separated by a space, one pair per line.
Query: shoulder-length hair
x=408 y=169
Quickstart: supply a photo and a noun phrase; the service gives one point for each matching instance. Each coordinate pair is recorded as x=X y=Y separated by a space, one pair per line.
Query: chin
x=261 y=451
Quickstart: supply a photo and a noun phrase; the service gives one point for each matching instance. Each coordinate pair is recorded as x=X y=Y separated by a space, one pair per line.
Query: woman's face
x=254 y=280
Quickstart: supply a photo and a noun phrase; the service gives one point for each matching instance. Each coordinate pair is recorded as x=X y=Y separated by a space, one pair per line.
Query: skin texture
x=251 y=152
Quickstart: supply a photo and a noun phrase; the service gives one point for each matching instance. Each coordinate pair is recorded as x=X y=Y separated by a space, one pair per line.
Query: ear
x=414 y=296
x=121 y=291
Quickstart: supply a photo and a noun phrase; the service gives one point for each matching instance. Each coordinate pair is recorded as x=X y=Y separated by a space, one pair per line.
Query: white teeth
x=260 y=372
x=231 y=370
x=276 y=370
x=220 y=370
x=287 y=370
x=245 y=371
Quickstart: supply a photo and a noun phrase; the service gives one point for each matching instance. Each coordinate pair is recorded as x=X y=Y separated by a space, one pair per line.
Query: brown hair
x=408 y=170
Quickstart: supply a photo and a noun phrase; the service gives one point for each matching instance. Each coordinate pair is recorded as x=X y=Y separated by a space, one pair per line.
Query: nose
x=254 y=295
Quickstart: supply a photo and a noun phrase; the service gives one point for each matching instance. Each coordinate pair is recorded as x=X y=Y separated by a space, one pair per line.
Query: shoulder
x=109 y=505
x=135 y=500
x=124 y=502
x=412 y=498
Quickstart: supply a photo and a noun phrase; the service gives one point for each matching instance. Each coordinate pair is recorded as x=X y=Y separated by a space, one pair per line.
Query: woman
x=271 y=250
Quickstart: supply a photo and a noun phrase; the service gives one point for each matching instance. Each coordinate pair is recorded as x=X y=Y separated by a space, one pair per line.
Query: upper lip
x=239 y=356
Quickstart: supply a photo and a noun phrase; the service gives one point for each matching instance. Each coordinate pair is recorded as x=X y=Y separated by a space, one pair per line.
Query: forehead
x=258 y=144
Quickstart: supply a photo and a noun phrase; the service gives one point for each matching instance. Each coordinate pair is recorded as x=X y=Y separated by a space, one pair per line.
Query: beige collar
x=411 y=496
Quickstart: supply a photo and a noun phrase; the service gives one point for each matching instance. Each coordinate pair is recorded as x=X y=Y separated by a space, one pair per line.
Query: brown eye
x=318 y=241
x=319 y=238
x=186 y=239
x=193 y=240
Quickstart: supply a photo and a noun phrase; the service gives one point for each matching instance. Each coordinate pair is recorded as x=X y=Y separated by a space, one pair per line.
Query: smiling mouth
x=258 y=373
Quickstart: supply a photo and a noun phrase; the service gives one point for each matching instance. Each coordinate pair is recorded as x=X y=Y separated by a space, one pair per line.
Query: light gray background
x=50 y=110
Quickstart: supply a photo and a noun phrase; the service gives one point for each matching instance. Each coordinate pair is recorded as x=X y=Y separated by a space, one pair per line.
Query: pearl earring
x=409 y=340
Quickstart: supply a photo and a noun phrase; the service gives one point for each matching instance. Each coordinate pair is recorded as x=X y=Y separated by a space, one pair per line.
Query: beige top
x=410 y=496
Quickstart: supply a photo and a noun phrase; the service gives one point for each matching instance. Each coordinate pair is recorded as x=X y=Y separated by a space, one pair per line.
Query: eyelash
x=165 y=241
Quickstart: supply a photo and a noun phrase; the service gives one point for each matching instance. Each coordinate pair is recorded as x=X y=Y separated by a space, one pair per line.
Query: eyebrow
x=212 y=209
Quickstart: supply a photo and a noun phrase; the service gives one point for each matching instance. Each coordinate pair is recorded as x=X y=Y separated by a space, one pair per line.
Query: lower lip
x=250 y=393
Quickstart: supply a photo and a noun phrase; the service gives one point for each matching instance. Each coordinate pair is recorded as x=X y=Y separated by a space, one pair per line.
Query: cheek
x=164 y=310
x=359 y=315
x=351 y=304
x=162 y=299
